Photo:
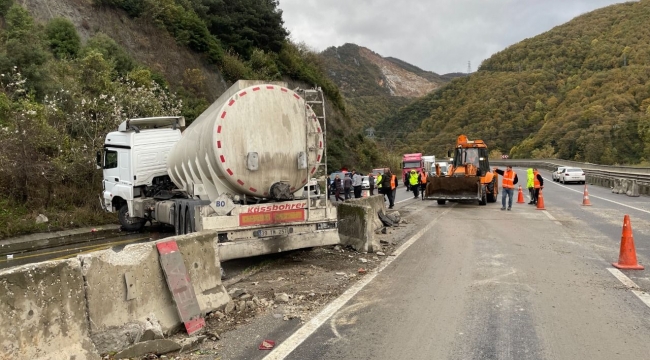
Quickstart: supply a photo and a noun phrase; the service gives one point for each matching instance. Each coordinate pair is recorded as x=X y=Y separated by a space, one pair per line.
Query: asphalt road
x=481 y=283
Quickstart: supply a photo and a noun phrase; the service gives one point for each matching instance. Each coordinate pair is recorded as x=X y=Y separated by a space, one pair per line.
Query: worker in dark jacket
x=509 y=179
x=538 y=183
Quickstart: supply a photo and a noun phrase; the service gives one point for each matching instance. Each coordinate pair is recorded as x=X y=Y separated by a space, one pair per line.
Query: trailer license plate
x=273 y=232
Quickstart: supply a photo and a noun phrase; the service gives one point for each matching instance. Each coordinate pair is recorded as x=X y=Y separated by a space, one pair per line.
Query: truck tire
x=491 y=196
x=442 y=202
x=130 y=223
x=187 y=224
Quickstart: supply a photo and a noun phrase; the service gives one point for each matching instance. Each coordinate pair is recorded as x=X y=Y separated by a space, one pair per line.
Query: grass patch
x=16 y=219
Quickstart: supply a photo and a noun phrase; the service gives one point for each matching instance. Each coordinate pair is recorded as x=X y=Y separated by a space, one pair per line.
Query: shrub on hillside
x=63 y=38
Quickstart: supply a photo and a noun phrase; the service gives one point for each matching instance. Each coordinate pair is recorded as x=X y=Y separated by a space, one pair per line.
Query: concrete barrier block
x=43 y=312
x=116 y=322
x=377 y=204
x=632 y=189
x=356 y=226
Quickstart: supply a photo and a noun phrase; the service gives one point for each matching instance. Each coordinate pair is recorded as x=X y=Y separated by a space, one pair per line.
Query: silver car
x=556 y=174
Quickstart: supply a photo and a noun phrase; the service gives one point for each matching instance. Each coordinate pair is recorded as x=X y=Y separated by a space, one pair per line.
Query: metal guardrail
x=640 y=174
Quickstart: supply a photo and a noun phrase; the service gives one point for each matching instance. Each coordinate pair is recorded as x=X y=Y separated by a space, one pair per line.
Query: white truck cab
x=135 y=161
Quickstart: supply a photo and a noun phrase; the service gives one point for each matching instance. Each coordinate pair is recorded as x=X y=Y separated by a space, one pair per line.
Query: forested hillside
x=65 y=83
x=579 y=91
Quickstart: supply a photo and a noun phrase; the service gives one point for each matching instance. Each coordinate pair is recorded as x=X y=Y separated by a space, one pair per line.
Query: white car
x=365 y=183
x=572 y=175
x=556 y=174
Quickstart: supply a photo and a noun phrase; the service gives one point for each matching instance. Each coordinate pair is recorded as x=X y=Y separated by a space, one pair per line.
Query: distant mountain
x=579 y=91
x=374 y=86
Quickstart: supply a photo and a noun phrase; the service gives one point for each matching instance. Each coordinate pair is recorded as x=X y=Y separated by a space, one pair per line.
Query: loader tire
x=483 y=200
x=130 y=223
x=442 y=202
x=491 y=196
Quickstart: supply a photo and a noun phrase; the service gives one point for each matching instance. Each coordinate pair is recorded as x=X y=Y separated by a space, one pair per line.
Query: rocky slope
x=375 y=86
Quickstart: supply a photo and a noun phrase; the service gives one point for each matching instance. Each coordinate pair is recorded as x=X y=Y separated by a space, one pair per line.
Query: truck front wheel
x=130 y=223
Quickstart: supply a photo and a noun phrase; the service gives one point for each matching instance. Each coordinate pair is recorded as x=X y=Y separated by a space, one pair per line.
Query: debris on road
x=267 y=345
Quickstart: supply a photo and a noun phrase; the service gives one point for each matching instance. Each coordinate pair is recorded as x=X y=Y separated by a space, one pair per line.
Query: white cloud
x=436 y=35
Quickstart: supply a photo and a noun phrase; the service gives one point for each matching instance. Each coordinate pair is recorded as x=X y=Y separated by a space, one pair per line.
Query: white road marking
x=548 y=215
x=601 y=198
x=631 y=285
x=297 y=338
x=401 y=201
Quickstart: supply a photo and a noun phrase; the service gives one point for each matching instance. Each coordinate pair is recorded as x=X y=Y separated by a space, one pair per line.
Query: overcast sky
x=435 y=35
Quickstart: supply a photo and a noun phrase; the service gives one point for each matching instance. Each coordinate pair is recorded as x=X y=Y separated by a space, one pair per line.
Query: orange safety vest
x=509 y=179
x=423 y=177
x=392 y=182
x=537 y=185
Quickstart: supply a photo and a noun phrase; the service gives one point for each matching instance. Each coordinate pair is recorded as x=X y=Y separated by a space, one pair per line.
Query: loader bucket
x=453 y=188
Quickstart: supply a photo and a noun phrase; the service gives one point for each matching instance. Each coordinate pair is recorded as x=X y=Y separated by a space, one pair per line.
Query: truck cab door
x=111 y=170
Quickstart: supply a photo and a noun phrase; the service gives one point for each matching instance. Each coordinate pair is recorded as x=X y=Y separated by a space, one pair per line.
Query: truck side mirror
x=98 y=163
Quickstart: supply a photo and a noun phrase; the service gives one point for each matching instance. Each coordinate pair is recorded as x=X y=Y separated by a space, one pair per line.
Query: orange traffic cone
x=585 y=197
x=520 y=197
x=627 y=255
x=540 y=201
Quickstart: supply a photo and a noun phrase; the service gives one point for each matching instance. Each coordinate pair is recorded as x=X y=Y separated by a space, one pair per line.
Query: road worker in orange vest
x=393 y=186
x=508 y=184
x=423 y=182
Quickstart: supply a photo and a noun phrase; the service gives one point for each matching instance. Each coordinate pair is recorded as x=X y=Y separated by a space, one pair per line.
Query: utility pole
x=469 y=67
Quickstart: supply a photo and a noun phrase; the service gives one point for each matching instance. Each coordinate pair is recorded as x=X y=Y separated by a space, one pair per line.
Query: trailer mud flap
x=453 y=188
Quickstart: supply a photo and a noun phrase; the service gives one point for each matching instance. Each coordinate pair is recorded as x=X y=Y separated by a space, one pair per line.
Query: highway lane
x=480 y=283
x=600 y=225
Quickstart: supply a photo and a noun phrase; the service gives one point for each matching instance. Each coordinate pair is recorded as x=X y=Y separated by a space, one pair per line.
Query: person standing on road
x=371 y=182
x=414 y=182
x=379 y=182
x=508 y=185
x=538 y=183
x=388 y=182
x=338 y=188
x=530 y=184
x=356 y=184
x=423 y=182
x=347 y=186
x=393 y=188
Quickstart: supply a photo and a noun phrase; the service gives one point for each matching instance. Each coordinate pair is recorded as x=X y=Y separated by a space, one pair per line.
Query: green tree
x=111 y=51
x=24 y=49
x=63 y=38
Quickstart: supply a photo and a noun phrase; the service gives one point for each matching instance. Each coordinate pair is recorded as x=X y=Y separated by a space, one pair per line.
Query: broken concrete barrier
x=126 y=289
x=43 y=312
x=358 y=221
x=377 y=204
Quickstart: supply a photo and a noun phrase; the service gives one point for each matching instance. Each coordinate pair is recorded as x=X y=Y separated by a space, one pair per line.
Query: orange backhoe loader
x=469 y=176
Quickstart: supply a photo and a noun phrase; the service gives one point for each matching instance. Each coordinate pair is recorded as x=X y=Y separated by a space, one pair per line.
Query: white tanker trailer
x=239 y=169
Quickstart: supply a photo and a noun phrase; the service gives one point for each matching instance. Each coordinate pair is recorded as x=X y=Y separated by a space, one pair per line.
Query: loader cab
x=477 y=156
